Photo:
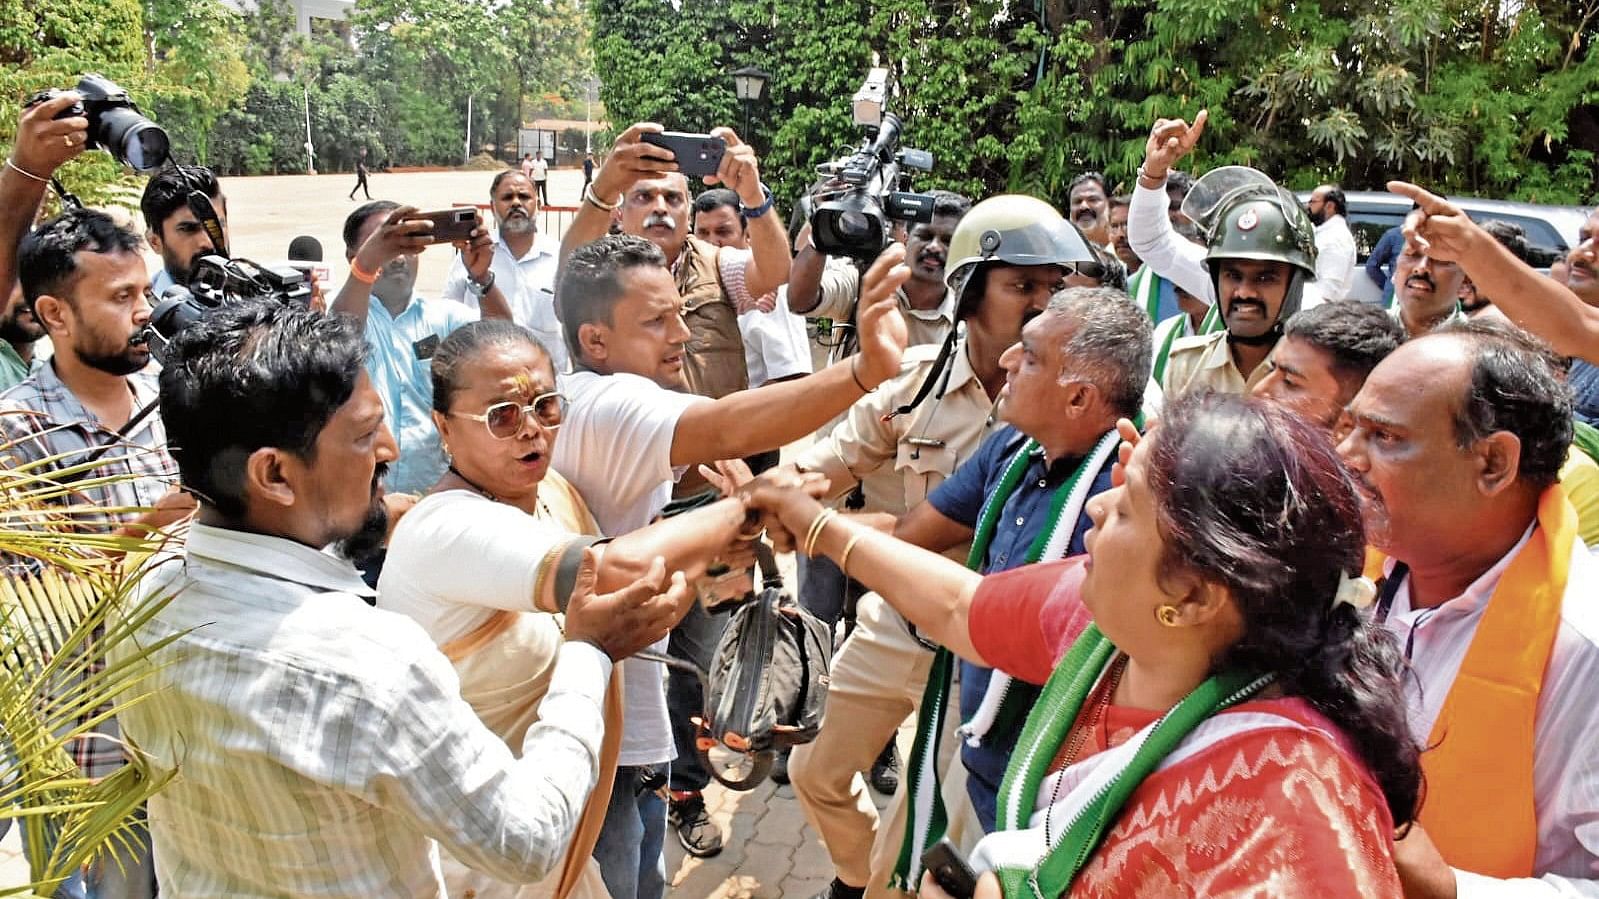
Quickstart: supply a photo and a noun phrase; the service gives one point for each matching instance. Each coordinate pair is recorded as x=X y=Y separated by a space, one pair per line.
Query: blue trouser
x=693 y=640
x=629 y=848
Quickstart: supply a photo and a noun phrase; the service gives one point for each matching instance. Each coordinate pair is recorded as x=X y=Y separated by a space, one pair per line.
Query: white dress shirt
x=775 y=343
x=322 y=745
x=1178 y=260
x=529 y=287
x=1335 y=258
x=1565 y=770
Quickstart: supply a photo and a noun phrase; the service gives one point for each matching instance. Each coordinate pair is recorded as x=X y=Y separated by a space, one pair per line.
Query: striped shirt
x=322 y=745
x=40 y=418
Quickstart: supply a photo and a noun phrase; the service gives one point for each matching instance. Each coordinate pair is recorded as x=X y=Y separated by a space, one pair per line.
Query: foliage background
x=1484 y=97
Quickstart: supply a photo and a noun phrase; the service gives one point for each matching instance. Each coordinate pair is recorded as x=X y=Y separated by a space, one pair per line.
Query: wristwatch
x=755 y=212
x=479 y=288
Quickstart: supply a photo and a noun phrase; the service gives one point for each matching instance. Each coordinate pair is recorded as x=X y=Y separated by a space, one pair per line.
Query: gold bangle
x=843 y=558
x=815 y=531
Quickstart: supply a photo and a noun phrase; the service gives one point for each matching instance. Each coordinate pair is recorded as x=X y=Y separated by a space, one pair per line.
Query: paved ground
x=771 y=851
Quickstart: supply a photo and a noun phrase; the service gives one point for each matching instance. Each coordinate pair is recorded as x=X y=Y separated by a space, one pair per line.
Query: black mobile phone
x=697 y=155
x=450 y=225
x=949 y=870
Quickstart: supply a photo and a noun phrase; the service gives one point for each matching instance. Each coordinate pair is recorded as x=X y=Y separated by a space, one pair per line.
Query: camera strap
x=200 y=205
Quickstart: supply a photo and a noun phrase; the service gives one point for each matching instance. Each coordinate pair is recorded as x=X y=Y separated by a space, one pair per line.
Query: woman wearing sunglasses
x=483 y=560
x=1217 y=716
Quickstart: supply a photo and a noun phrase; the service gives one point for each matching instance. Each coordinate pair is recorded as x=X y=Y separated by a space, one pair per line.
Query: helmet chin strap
x=1266 y=339
x=1293 y=297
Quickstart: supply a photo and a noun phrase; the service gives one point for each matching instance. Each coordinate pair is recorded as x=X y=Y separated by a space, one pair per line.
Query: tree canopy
x=1487 y=97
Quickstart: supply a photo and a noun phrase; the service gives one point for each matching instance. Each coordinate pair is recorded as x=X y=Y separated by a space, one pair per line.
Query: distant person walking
x=541 y=174
x=527 y=166
x=360 y=177
x=588 y=170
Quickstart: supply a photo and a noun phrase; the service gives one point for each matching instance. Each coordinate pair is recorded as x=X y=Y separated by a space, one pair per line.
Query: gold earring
x=1167 y=615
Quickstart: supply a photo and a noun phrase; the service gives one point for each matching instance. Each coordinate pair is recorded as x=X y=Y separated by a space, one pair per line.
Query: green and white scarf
x=927 y=819
x=1026 y=864
x=1144 y=288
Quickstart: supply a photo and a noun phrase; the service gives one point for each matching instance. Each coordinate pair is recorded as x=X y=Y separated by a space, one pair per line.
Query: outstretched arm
x=43 y=145
x=752 y=421
x=1542 y=305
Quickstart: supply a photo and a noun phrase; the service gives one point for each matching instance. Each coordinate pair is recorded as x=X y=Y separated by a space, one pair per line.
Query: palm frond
x=71 y=610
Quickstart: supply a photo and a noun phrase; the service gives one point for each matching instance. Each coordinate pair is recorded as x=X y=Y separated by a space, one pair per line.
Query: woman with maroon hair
x=1217 y=716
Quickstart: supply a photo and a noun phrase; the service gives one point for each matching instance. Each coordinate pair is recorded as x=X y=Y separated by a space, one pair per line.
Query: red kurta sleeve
x=1023 y=620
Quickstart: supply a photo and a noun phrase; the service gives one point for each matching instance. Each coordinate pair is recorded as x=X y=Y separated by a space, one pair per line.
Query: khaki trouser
x=877 y=681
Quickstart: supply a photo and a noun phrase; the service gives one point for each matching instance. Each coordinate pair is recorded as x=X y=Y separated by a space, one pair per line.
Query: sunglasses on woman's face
x=505 y=420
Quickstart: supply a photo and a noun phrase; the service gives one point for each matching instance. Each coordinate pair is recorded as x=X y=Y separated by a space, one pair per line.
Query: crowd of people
x=1125 y=502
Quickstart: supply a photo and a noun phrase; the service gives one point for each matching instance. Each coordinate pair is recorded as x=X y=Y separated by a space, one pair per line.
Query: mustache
x=1425 y=279
x=379 y=472
x=662 y=219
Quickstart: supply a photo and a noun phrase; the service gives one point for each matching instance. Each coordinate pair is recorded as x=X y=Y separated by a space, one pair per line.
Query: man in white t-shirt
x=630 y=431
x=541 y=177
x=523 y=265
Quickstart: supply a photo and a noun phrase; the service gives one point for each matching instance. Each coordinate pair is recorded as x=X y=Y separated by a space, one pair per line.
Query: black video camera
x=214 y=281
x=115 y=123
x=864 y=192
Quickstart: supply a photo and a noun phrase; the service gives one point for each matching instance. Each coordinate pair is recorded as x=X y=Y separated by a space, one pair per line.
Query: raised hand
x=1169 y=141
x=880 y=324
x=628 y=620
x=631 y=161
x=44 y=144
x=400 y=234
x=739 y=170
x=1439 y=227
x=1124 y=453
x=477 y=252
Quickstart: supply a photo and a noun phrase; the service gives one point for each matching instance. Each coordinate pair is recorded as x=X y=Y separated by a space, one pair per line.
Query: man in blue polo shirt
x=382 y=241
x=1079 y=367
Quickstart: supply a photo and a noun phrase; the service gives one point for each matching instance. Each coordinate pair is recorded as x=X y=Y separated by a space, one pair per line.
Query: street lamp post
x=749 y=83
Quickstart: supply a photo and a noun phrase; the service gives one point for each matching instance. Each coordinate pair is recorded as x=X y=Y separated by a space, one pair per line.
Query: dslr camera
x=217 y=280
x=863 y=192
x=115 y=123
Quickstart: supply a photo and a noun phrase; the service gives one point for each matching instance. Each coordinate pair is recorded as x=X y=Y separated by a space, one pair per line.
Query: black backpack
x=767 y=686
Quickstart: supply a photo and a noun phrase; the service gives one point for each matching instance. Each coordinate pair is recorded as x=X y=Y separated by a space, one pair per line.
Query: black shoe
x=699 y=835
x=884 y=777
x=779 y=772
x=838 y=890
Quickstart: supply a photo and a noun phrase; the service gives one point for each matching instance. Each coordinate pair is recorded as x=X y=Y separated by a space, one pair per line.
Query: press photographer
x=84 y=279
x=859 y=206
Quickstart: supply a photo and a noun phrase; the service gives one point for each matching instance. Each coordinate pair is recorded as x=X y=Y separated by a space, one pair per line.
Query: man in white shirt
x=1456 y=441
x=323 y=744
x=541 y=177
x=1335 y=244
x=523 y=265
x=631 y=431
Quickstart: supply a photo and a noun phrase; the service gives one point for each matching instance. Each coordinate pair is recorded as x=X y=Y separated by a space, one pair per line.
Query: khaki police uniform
x=879 y=673
x=1206 y=362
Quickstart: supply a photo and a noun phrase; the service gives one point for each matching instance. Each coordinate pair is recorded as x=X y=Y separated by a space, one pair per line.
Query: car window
x=1544 y=243
x=1369 y=227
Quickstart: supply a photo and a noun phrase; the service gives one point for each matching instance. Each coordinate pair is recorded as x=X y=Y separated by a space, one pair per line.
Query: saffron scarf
x=1482 y=755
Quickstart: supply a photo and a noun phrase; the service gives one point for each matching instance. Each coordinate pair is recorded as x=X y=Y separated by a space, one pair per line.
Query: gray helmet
x=1015 y=230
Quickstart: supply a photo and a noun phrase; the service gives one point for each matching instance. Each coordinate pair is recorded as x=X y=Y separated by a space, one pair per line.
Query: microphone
x=305 y=249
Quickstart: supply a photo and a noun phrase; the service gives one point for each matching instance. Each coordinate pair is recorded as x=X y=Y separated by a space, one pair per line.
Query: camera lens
x=855 y=226
x=133 y=139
